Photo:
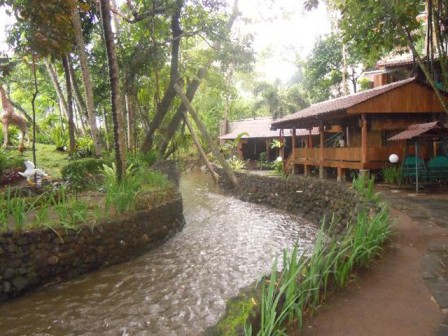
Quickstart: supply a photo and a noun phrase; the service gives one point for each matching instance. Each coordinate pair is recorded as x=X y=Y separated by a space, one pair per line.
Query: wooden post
x=268 y=149
x=364 y=141
x=310 y=139
x=341 y=174
x=434 y=148
x=321 y=151
x=228 y=170
x=282 y=147
x=199 y=147
x=306 y=170
x=293 y=144
x=347 y=137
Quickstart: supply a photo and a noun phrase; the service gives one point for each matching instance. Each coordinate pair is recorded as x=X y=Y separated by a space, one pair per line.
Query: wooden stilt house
x=353 y=130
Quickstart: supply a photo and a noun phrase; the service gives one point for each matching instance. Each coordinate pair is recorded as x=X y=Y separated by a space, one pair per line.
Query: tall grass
x=120 y=195
x=391 y=175
x=304 y=281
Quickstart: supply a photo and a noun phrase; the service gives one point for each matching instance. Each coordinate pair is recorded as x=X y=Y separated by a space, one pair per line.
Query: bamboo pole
x=199 y=147
x=203 y=130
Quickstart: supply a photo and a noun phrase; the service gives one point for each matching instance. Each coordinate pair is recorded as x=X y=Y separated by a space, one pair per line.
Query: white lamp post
x=393 y=158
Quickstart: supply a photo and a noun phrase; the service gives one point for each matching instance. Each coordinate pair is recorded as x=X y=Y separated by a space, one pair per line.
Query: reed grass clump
x=391 y=175
x=306 y=278
x=61 y=206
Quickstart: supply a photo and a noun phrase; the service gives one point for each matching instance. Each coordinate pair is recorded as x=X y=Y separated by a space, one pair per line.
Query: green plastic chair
x=438 y=168
x=409 y=170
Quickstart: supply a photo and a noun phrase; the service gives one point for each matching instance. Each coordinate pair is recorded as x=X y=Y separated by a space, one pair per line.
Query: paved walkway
x=430 y=210
x=405 y=293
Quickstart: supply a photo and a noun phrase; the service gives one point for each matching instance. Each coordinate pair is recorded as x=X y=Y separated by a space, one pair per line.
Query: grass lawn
x=47 y=158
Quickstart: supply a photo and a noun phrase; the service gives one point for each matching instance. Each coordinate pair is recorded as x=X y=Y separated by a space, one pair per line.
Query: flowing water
x=180 y=288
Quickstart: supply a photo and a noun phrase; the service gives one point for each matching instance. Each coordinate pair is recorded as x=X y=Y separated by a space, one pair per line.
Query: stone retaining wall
x=30 y=259
x=170 y=169
x=312 y=198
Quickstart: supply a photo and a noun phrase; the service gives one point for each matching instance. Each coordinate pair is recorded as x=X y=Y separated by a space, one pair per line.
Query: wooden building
x=354 y=129
x=255 y=137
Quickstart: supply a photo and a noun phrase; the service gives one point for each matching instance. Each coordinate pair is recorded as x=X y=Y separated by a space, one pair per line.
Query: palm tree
x=86 y=79
x=117 y=110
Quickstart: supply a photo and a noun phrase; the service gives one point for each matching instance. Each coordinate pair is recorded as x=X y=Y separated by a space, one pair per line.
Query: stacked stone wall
x=29 y=259
x=312 y=198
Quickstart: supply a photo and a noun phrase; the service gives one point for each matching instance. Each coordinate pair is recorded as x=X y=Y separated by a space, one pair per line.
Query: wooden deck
x=345 y=158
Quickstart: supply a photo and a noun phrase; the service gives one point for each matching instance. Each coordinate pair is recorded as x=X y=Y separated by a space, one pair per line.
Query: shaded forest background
x=101 y=77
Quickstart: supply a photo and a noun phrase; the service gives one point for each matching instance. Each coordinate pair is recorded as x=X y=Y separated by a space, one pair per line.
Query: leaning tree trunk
x=86 y=79
x=71 y=124
x=406 y=34
x=57 y=87
x=225 y=165
x=170 y=93
x=117 y=109
x=194 y=84
x=77 y=92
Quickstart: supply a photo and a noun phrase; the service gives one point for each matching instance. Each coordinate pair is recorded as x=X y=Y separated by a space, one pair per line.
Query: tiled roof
x=256 y=128
x=416 y=130
x=396 y=61
x=339 y=104
x=259 y=128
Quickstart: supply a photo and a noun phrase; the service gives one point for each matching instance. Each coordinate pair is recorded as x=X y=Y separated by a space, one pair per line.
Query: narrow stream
x=180 y=288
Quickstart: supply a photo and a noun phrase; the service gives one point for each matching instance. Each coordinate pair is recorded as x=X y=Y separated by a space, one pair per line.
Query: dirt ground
x=392 y=297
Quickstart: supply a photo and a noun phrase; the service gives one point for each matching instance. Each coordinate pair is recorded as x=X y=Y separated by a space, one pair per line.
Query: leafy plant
x=120 y=195
x=82 y=172
x=16 y=208
x=263 y=163
x=42 y=215
x=391 y=175
x=364 y=184
x=276 y=144
x=59 y=137
x=303 y=284
x=278 y=166
x=84 y=147
x=143 y=159
x=236 y=163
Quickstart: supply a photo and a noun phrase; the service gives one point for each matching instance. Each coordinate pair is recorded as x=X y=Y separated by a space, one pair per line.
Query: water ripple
x=180 y=288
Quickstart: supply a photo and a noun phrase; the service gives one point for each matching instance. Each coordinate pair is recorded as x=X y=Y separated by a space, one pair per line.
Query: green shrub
x=84 y=147
x=263 y=163
x=59 y=137
x=278 y=166
x=3 y=162
x=9 y=163
x=82 y=172
x=143 y=159
x=236 y=163
x=391 y=175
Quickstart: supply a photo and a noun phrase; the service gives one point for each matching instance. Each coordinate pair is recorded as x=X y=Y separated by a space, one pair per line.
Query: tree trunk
x=194 y=85
x=117 y=109
x=199 y=147
x=228 y=170
x=86 y=79
x=33 y=104
x=79 y=111
x=106 y=129
x=79 y=120
x=71 y=124
x=77 y=92
x=345 y=90
x=131 y=99
x=57 y=87
x=170 y=93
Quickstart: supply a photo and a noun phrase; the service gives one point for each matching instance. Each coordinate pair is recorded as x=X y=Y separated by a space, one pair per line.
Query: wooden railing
x=374 y=154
